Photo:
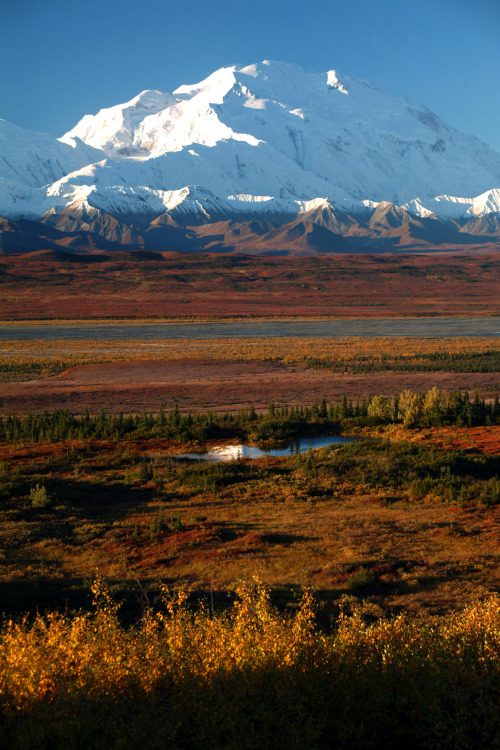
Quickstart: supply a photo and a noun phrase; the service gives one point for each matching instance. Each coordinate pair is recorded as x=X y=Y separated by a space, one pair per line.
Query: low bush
x=39 y=497
x=250 y=678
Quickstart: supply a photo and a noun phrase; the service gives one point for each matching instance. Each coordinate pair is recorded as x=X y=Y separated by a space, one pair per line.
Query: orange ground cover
x=474 y=439
x=223 y=286
x=218 y=385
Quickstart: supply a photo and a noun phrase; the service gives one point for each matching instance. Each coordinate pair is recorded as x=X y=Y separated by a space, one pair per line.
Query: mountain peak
x=246 y=132
x=216 y=85
x=151 y=99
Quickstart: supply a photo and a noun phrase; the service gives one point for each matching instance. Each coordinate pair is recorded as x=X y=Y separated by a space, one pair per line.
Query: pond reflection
x=293 y=447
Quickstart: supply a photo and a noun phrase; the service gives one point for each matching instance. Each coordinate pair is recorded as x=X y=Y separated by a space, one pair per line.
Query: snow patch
x=334 y=81
x=253 y=103
x=250 y=198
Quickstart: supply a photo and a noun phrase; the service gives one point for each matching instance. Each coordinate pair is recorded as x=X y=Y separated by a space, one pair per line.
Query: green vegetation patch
x=480 y=361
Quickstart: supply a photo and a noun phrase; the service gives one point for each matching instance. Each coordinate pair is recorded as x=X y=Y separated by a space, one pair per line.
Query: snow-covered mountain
x=267 y=143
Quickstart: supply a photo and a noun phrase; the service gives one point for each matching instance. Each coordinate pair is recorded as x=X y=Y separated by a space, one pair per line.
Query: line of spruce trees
x=433 y=408
x=460 y=362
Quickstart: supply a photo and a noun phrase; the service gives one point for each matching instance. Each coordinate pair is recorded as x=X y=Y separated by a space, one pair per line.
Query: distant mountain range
x=264 y=158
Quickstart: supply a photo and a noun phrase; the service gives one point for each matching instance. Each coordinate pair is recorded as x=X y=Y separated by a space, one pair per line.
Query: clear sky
x=60 y=59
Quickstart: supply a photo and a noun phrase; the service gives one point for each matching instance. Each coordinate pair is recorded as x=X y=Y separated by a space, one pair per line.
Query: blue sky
x=60 y=60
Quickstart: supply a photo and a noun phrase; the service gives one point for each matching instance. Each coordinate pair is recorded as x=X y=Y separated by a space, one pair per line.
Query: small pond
x=292 y=448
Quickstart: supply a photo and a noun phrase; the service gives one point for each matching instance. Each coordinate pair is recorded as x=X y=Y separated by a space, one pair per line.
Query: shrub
x=362 y=579
x=39 y=497
x=249 y=678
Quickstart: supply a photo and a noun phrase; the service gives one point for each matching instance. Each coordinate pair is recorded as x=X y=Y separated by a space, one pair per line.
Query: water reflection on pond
x=299 y=445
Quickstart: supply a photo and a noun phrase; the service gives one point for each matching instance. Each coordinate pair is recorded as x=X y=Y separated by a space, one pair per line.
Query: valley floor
x=128 y=285
x=217 y=386
x=291 y=524
x=229 y=374
x=406 y=521
x=342 y=522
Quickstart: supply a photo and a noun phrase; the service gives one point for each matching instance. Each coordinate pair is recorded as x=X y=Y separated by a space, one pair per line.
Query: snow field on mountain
x=260 y=139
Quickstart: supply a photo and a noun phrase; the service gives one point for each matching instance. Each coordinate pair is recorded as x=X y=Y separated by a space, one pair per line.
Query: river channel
x=418 y=327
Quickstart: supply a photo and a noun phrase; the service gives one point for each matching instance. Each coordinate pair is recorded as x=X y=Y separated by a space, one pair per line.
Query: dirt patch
x=168 y=372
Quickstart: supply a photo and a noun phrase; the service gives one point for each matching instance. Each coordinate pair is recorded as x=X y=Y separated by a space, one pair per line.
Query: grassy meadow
x=44 y=358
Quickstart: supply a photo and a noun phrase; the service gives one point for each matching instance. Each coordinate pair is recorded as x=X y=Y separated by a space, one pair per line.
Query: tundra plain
x=140 y=589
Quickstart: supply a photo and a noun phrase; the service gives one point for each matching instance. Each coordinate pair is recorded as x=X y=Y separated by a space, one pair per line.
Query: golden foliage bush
x=250 y=678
